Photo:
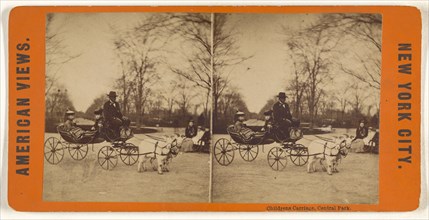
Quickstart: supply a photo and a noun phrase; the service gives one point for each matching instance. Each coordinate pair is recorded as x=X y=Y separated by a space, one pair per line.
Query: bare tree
x=311 y=48
x=139 y=50
x=184 y=97
x=225 y=56
x=169 y=96
x=342 y=99
x=96 y=104
x=358 y=97
x=369 y=73
x=297 y=86
x=57 y=100
x=228 y=104
x=194 y=29
x=125 y=84
x=57 y=103
x=364 y=28
x=57 y=54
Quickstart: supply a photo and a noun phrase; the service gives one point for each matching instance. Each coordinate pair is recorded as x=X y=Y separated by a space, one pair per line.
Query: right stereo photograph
x=296 y=104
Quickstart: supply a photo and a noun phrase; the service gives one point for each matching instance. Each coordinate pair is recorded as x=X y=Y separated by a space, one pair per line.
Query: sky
x=90 y=36
x=265 y=74
x=260 y=78
x=269 y=69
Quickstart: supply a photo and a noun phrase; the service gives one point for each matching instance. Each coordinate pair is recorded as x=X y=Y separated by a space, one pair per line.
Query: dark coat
x=111 y=110
x=191 y=131
x=361 y=132
x=281 y=112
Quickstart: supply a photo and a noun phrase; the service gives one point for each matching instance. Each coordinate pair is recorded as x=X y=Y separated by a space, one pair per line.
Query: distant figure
x=358 y=143
x=282 y=115
x=191 y=129
x=362 y=130
x=112 y=113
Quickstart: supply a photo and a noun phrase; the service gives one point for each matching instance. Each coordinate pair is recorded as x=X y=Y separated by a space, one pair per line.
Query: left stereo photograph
x=127 y=95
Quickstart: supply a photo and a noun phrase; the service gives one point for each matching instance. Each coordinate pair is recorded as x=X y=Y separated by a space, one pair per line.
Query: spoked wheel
x=78 y=151
x=224 y=152
x=299 y=155
x=277 y=158
x=107 y=158
x=54 y=151
x=129 y=154
x=248 y=152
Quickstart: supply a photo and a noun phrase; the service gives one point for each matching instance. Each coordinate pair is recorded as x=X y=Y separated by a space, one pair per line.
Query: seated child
x=239 y=126
x=70 y=126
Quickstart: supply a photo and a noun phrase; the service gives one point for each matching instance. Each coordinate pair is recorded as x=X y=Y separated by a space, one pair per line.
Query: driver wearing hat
x=281 y=113
x=112 y=113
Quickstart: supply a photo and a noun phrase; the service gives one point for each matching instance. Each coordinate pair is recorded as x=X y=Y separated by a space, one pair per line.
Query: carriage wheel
x=78 y=151
x=299 y=155
x=277 y=158
x=54 y=151
x=248 y=152
x=129 y=155
x=224 y=152
x=107 y=158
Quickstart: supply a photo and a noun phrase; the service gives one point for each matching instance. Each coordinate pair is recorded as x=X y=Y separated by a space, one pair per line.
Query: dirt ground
x=187 y=181
x=256 y=182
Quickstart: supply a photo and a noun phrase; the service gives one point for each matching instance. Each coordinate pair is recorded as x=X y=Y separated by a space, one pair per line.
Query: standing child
x=268 y=121
x=98 y=125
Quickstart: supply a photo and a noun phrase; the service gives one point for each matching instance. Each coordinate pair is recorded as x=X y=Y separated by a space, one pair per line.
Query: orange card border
x=399 y=189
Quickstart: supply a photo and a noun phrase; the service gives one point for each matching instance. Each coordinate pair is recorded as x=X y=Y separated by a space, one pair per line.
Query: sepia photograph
x=128 y=107
x=286 y=105
x=296 y=103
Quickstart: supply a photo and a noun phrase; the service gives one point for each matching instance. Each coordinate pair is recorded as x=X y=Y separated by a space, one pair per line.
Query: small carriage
x=224 y=149
x=78 y=147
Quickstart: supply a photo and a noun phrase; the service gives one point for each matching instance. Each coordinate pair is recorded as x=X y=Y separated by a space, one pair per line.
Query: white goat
x=158 y=152
x=329 y=150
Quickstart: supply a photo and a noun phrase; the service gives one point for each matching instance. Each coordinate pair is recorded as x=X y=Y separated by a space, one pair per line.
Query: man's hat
x=112 y=94
x=269 y=112
x=282 y=95
x=98 y=111
x=239 y=113
x=69 y=112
